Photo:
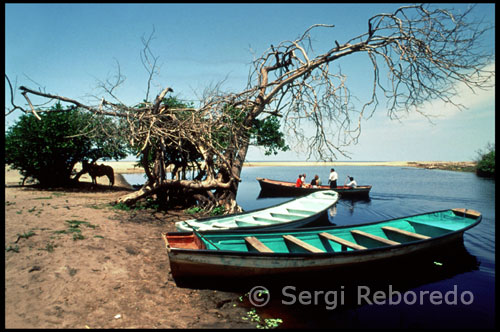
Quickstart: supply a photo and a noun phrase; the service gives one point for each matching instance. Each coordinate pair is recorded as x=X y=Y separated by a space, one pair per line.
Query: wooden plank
x=302 y=244
x=374 y=237
x=467 y=213
x=256 y=244
x=407 y=233
x=345 y=244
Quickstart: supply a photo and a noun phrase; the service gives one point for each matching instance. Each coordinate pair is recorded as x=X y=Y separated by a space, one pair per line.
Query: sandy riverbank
x=72 y=261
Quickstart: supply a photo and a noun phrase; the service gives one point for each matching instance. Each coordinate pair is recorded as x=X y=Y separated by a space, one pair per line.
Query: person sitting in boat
x=316 y=182
x=352 y=183
x=299 y=182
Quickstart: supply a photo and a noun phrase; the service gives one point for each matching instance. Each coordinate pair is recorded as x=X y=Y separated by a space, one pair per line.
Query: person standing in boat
x=332 y=179
x=352 y=183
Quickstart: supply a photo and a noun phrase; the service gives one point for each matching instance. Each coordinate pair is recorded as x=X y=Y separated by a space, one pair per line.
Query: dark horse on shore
x=95 y=170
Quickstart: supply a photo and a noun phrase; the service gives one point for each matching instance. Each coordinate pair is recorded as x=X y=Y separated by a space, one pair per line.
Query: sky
x=66 y=49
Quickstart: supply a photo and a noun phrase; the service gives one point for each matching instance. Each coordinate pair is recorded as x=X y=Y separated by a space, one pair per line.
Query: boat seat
x=302 y=212
x=246 y=223
x=467 y=213
x=407 y=233
x=345 y=244
x=374 y=237
x=269 y=220
x=288 y=216
x=302 y=244
x=255 y=243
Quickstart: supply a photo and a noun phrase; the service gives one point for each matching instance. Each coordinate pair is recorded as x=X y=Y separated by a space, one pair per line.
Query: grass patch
x=193 y=210
x=77 y=223
x=12 y=248
x=74 y=228
x=149 y=203
x=49 y=247
x=78 y=236
x=25 y=235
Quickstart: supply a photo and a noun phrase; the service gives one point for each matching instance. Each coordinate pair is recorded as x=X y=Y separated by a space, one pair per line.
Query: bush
x=486 y=163
x=48 y=149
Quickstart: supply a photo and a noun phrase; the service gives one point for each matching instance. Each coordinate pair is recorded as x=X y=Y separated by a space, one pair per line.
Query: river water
x=457 y=291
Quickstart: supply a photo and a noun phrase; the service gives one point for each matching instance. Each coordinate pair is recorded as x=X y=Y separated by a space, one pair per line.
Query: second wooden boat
x=259 y=253
x=275 y=188
x=295 y=213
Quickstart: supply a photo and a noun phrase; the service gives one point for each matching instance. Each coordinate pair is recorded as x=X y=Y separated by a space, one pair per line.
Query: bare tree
x=423 y=52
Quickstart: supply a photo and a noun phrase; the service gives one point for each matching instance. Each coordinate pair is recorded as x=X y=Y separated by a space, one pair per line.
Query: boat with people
x=297 y=212
x=277 y=188
x=264 y=253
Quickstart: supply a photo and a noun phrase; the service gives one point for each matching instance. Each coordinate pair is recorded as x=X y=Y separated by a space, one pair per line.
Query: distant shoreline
x=130 y=166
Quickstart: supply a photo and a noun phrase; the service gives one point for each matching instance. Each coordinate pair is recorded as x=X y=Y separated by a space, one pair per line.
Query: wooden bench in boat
x=467 y=213
x=374 y=237
x=257 y=244
x=407 y=233
x=302 y=244
x=344 y=243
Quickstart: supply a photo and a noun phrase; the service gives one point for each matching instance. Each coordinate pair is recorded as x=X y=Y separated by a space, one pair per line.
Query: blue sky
x=67 y=48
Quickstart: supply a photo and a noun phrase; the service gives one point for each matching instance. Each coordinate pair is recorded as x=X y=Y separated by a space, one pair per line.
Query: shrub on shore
x=486 y=162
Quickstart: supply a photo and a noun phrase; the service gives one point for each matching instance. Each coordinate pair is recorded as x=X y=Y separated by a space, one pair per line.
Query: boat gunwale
x=312 y=229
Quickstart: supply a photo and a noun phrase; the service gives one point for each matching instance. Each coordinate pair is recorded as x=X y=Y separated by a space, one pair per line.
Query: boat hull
x=295 y=213
x=184 y=264
x=274 y=188
x=230 y=254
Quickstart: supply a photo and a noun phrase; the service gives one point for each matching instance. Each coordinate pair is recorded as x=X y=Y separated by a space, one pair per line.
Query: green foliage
x=267 y=133
x=193 y=210
x=48 y=149
x=12 y=248
x=486 y=163
x=217 y=211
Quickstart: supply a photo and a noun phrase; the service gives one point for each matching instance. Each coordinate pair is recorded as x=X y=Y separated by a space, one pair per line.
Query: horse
x=95 y=170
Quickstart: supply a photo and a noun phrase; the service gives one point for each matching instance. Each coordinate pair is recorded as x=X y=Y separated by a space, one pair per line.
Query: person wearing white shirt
x=332 y=179
x=352 y=182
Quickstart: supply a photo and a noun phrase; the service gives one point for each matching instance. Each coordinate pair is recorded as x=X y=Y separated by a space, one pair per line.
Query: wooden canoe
x=275 y=188
x=294 y=213
x=258 y=253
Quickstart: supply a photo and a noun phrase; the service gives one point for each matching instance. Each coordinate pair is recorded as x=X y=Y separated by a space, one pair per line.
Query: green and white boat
x=295 y=213
x=258 y=252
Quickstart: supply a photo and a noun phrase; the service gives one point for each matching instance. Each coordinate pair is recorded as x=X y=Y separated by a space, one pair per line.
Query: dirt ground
x=72 y=261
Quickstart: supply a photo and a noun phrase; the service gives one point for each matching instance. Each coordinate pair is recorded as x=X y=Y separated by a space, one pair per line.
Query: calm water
x=464 y=279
